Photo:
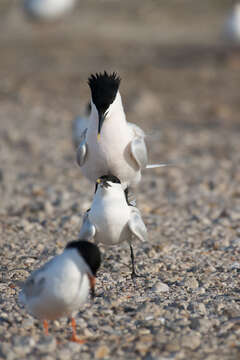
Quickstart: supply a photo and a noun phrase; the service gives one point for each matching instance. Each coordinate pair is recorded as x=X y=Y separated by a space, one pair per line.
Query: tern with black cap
x=110 y=145
x=111 y=220
x=62 y=285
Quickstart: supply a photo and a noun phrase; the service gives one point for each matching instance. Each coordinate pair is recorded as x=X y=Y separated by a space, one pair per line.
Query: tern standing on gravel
x=110 y=145
x=111 y=220
x=62 y=285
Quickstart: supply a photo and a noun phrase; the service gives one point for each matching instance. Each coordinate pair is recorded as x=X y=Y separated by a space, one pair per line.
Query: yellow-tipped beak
x=98 y=181
x=98 y=136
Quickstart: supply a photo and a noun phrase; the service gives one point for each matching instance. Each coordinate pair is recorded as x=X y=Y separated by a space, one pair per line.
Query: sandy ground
x=180 y=83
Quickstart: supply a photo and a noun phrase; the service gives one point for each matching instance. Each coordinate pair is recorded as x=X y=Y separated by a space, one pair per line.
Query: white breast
x=110 y=216
x=111 y=153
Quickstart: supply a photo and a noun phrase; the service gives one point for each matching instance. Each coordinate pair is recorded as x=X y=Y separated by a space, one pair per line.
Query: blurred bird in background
x=47 y=10
x=231 y=29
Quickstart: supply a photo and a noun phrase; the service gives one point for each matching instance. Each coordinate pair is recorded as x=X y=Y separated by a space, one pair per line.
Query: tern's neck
x=116 y=109
x=113 y=194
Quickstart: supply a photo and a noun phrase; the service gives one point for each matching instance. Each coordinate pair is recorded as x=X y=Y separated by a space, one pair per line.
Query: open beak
x=103 y=183
x=92 y=281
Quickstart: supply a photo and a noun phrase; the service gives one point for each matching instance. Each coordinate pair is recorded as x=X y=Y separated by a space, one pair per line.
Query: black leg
x=126 y=195
x=134 y=274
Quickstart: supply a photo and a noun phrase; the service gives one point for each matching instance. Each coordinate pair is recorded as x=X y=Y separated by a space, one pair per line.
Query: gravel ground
x=180 y=83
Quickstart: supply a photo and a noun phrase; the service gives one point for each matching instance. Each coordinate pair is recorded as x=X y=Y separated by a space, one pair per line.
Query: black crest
x=104 y=88
x=89 y=251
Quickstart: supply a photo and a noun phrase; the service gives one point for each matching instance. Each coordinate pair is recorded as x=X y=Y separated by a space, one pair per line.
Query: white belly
x=60 y=298
x=111 y=224
x=111 y=155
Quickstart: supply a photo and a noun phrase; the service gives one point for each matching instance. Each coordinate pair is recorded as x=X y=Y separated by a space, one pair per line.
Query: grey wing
x=137 y=226
x=82 y=149
x=88 y=230
x=34 y=285
x=139 y=151
x=79 y=125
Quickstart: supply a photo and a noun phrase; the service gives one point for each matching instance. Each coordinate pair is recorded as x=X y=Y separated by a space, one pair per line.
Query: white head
x=109 y=185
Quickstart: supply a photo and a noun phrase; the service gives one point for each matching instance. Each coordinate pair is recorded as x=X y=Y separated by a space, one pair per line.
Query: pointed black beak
x=101 y=118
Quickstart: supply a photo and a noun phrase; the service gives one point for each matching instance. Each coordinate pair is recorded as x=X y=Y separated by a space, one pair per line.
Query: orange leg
x=45 y=325
x=74 y=333
x=92 y=281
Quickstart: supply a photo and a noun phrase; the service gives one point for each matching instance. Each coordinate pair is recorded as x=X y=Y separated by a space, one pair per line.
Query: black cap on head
x=89 y=251
x=111 y=178
x=104 y=88
x=105 y=179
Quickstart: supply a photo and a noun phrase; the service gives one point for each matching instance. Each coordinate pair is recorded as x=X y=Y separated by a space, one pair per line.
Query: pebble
x=28 y=323
x=191 y=283
x=191 y=341
x=173 y=345
x=46 y=344
x=102 y=352
x=27 y=226
x=22 y=345
x=160 y=288
x=202 y=308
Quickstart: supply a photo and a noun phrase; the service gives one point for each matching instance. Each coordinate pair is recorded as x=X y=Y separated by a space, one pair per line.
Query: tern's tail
x=153 y=166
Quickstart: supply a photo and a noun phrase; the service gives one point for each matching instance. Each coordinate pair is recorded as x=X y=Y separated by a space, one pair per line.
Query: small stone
x=64 y=354
x=195 y=323
x=22 y=345
x=48 y=208
x=162 y=320
x=202 y=309
x=235 y=265
x=88 y=333
x=102 y=352
x=26 y=225
x=191 y=283
x=172 y=346
x=6 y=351
x=28 y=323
x=191 y=341
x=37 y=190
x=160 y=288
x=46 y=344
x=144 y=331
x=75 y=220
x=144 y=344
